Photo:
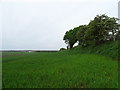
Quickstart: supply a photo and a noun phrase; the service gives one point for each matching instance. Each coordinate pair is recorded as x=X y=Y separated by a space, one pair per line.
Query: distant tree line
x=99 y=30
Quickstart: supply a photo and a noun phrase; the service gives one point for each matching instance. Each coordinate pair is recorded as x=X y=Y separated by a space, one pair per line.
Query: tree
x=81 y=35
x=70 y=37
x=97 y=31
x=112 y=27
x=100 y=27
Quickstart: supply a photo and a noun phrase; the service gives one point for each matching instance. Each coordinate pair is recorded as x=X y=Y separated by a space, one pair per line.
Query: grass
x=59 y=70
x=109 y=49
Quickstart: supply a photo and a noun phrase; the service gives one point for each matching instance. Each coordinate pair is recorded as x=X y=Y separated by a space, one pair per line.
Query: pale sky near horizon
x=41 y=25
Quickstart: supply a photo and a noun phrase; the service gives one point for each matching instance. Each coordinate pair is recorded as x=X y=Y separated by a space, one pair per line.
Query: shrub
x=61 y=49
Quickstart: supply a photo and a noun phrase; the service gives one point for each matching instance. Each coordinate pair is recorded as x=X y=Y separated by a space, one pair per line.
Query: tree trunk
x=71 y=45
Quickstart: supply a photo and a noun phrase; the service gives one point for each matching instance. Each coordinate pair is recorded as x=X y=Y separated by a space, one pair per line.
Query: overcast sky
x=42 y=25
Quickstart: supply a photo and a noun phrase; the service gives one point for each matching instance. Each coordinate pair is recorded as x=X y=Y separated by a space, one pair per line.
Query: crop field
x=58 y=70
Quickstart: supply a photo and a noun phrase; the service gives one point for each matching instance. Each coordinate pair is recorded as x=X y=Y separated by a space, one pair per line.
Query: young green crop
x=59 y=70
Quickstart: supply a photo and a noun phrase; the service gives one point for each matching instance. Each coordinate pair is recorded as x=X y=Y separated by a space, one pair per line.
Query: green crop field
x=93 y=63
x=58 y=70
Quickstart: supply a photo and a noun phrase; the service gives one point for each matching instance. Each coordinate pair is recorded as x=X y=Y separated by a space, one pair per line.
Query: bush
x=61 y=49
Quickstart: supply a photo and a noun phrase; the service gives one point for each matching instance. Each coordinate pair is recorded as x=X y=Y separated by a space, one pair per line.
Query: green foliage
x=100 y=27
x=58 y=70
x=109 y=49
x=81 y=35
x=70 y=37
x=96 y=32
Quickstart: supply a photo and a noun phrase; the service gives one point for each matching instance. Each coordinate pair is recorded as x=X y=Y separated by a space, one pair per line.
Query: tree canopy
x=70 y=37
x=101 y=29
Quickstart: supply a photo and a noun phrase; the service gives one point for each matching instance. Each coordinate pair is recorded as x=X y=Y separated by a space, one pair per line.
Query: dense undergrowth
x=110 y=49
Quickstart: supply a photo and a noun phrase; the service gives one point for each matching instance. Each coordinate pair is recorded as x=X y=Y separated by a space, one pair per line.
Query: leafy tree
x=70 y=37
x=81 y=35
x=100 y=27
x=97 y=31
x=112 y=26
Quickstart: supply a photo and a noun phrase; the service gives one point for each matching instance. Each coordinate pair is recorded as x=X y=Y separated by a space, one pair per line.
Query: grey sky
x=42 y=25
